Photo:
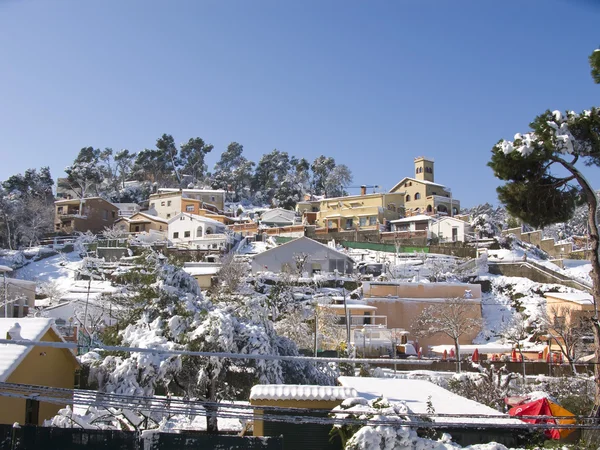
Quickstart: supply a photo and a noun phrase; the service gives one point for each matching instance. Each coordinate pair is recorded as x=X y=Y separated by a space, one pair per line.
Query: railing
x=127 y=212
x=391 y=235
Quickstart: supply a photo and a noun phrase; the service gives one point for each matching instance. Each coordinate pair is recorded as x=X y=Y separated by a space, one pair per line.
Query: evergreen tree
x=544 y=183
x=192 y=157
x=595 y=65
x=321 y=168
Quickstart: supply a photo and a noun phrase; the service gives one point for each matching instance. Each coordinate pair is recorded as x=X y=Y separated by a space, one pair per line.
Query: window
x=199 y=232
x=137 y=228
x=168 y=216
x=60 y=209
x=408 y=198
x=417 y=196
x=162 y=203
x=176 y=235
x=373 y=220
x=212 y=198
x=434 y=193
x=169 y=203
x=349 y=224
x=362 y=222
x=189 y=208
x=186 y=234
x=105 y=214
x=209 y=231
x=152 y=205
x=113 y=214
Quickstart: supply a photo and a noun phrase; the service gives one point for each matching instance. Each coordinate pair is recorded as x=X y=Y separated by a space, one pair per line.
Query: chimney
x=363 y=190
x=14 y=333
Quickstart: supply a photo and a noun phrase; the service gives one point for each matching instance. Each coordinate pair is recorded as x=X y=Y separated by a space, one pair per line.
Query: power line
x=296 y=415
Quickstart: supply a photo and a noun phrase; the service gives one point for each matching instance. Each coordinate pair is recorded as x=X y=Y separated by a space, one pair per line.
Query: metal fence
x=30 y=437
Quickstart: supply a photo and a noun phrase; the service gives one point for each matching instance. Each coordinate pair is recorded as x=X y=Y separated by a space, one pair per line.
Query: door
x=454 y=234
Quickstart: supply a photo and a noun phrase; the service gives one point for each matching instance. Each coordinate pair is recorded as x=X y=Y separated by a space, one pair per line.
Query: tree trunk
x=592 y=201
x=212 y=424
x=457 y=350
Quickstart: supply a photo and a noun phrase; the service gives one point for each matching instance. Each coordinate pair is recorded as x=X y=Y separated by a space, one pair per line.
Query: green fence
x=390 y=248
x=283 y=239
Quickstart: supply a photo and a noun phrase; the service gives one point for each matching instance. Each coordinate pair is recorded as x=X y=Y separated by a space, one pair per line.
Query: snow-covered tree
x=85 y=175
x=452 y=318
x=337 y=180
x=595 y=65
x=321 y=167
x=192 y=155
x=544 y=183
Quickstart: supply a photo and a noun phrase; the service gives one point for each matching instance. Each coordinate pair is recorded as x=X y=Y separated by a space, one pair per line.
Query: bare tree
x=231 y=275
x=300 y=259
x=515 y=332
x=451 y=318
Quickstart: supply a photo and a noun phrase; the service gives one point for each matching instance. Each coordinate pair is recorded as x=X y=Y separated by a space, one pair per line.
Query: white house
x=199 y=232
x=413 y=224
x=451 y=229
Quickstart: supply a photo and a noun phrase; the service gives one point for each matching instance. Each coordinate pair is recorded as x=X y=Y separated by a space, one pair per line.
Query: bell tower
x=424 y=169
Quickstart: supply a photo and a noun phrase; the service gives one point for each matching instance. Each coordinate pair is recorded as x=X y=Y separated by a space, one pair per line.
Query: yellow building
x=317 y=400
x=359 y=212
x=31 y=365
x=422 y=194
x=142 y=222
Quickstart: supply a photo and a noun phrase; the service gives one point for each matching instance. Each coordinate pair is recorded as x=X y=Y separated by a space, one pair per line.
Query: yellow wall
x=56 y=368
x=571 y=311
x=356 y=206
x=204 y=281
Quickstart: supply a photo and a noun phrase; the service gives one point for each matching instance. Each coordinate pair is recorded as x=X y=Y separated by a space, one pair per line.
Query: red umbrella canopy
x=475 y=357
x=539 y=407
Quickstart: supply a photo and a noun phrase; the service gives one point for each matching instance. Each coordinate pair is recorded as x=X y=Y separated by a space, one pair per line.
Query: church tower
x=424 y=169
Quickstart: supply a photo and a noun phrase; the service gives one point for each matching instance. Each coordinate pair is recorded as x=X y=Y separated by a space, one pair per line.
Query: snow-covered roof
x=397 y=185
x=198 y=270
x=12 y=355
x=5 y=269
x=278 y=213
x=417 y=393
x=417 y=218
x=194 y=191
x=145 y=215
x=301 y=392
x=576 y=297
x=307 y=239
x=77 y=201
x=351 y=307
x=196 y=218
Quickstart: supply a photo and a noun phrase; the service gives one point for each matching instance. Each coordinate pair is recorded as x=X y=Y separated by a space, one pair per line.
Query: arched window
x=199 y=232
x=417 y=196
x=442 y=208
x=417 y=170
x=429 y=208
x=408 y=198
x=209 y=231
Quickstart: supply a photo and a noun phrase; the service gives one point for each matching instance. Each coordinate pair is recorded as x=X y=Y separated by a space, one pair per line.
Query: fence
x=30 y=437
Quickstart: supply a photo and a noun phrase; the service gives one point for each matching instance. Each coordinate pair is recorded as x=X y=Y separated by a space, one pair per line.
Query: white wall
x=443 y=229
x=171 y=207
x=206 y=236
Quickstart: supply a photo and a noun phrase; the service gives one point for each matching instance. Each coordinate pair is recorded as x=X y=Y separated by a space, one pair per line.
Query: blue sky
x=373 y=84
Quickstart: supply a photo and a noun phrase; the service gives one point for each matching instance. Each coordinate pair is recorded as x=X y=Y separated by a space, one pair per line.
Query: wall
x=419 y=290
x=171 y=207
x=210 y=231
x=43 y=366
x=21 y=296
x=403 y=312
x=534 y=273
x=356 y=206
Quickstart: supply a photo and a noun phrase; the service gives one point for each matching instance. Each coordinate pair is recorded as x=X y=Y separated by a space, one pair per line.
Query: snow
x=59 y=269
x=300 y=392
x=417 y=218
x=12 y=355
x=416 y=393
x=208 y=270
x=577 y=297
x=5 y=269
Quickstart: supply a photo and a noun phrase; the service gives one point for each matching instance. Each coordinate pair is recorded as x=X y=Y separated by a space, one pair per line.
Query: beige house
x=204 y=273
x=422 y=195
x=40 y=366
x=88 y=214
x=20 y=295
x=571 y=307
x=359 y=212
x=169 y=202
x=141 y=222
x=402 y=303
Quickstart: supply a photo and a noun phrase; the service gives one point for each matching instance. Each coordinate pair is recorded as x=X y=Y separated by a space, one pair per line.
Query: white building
x=198 y=232
x=451 y=229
